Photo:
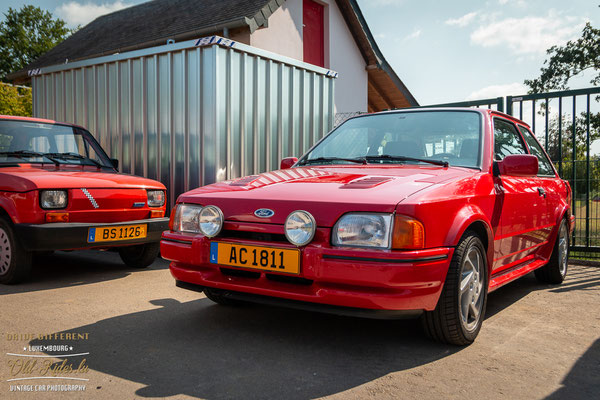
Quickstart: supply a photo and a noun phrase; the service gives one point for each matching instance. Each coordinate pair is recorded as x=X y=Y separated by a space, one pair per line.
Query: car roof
x=29 y=119
x=482 y=110
x=41 y=120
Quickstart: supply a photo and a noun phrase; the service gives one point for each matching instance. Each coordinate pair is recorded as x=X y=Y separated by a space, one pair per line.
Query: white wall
x=284 y=36
x=284 y=33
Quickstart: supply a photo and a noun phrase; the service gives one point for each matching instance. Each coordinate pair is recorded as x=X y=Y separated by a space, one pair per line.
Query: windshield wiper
x=386 y=157
x=74 y=156
x=27 y=154
x=360 y=160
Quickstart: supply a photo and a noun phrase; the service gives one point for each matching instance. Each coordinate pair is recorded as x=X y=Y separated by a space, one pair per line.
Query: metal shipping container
x=192 y=113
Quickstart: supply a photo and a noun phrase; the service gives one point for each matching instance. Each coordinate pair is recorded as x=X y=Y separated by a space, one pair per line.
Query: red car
x=402 y=213
x=60 y=191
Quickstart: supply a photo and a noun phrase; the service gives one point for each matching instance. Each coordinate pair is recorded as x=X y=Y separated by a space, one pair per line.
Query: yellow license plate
x=117 y=233
x=270 y=259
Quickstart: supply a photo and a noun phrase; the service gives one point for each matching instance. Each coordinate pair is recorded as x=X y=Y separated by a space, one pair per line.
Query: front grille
x=257 y=236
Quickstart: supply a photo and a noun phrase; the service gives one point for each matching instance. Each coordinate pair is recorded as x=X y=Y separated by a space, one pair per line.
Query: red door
x=313 y=33
x=524 y=222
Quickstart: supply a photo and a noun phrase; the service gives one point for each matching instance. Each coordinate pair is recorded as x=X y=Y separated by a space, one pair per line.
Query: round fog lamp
x=211 y=221
x=300 y=227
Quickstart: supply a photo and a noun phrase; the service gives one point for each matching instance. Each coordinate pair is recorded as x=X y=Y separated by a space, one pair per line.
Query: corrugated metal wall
x=192 y=113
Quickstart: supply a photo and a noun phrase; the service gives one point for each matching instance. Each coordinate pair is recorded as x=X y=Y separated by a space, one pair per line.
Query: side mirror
x=115 y=163
x=518 y=165
x=288 y=162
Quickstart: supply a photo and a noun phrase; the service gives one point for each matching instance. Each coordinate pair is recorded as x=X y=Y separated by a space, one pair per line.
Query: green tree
x=570 y=60
x=15 y=100
x=562 y=64
x=26 y=34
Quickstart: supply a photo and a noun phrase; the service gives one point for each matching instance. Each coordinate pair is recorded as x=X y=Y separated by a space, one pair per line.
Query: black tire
x=139 y=256
x=15 y=262
x=556 y=270
x=220 y=297
x=446 y=324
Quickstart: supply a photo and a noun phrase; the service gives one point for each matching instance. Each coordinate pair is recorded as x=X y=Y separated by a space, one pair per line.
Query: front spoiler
x=307 y=306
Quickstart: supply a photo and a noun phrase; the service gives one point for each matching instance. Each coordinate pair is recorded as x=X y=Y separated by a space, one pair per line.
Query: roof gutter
x=381 y=61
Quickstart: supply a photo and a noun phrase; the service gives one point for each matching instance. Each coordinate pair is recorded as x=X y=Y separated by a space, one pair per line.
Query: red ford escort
x=60 y=191
x=402 y=213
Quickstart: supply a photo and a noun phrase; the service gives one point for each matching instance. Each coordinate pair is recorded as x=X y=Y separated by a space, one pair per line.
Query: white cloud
x=462 y=21
x=493 y=91
x=528 y=35
x=518 y=3
x=75 y=13
x=416 y=33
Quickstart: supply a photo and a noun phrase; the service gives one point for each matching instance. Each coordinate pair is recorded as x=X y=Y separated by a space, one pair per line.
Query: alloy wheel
x=563 y=249
x=471 y=289
x=5 y=252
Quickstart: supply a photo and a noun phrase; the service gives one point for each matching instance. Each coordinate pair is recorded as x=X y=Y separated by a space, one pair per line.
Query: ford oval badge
x=264 y=213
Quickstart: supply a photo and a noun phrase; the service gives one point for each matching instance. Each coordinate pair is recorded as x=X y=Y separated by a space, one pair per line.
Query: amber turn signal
x=157 y=213
x=408 y=233
x=57 y=217
x=172 y=219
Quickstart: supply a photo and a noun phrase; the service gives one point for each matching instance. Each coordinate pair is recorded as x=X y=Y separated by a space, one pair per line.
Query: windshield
x=41 y=143
x=434 y=137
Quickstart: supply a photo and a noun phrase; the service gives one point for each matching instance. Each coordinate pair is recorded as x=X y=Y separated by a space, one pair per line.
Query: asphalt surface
x=147 y=338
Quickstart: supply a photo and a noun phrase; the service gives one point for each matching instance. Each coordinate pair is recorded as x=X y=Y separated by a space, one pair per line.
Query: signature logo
x=264 y=213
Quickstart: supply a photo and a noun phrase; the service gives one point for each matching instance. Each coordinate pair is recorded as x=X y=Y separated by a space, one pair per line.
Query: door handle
x=541 y=192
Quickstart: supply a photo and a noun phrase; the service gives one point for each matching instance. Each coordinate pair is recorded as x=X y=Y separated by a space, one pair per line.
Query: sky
x=444 y=51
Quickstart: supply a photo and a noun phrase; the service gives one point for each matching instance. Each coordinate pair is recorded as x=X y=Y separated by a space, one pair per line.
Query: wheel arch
x=4 y=214
x=472 y=218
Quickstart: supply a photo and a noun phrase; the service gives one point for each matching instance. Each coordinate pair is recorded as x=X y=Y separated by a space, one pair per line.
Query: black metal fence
x=567 y=123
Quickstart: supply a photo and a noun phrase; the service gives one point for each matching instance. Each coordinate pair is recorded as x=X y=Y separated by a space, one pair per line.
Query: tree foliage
x=26 y=34
x=563 y=63
x=567 y=61
x=15 y=100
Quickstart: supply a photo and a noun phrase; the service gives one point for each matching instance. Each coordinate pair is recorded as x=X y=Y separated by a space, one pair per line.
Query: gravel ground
x=147 y=338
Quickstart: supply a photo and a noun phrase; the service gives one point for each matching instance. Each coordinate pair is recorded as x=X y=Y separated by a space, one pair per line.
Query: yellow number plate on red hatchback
x=117 y=233
x=256 y=257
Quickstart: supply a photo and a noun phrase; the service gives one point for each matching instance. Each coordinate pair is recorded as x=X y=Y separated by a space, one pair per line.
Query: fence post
x=509 y=105
x=500 y=104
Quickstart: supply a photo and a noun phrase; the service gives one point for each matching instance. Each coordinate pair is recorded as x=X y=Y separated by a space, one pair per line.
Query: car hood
x=26 y=178
x=326 y=192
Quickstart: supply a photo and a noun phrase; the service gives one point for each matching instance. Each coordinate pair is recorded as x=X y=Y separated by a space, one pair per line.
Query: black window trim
x=497 y=117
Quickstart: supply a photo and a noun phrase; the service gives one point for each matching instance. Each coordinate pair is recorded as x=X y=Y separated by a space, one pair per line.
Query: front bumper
x=74 y=235
x=357 y=278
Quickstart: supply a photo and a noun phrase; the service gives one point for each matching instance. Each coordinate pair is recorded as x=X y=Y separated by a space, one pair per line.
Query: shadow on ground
x=216 y=352
x=64 y=269
x=583 y=381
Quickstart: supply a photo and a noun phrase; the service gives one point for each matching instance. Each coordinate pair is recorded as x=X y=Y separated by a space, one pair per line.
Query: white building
x=328 y=33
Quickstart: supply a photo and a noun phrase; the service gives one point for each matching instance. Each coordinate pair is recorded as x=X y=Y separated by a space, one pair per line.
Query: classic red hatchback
x=60 y=191
x=402 y=213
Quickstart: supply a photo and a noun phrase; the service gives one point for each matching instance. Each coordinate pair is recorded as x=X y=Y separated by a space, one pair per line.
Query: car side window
x=507 y=140
x=545 y=167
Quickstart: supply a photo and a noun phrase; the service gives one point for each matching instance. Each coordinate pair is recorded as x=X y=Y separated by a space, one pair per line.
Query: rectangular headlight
x=186 y=218
x=53 y=199
x=156 y=198
x=363 y=230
